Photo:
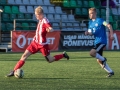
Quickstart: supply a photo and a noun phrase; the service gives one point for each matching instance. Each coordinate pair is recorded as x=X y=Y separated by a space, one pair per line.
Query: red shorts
x=35 y=47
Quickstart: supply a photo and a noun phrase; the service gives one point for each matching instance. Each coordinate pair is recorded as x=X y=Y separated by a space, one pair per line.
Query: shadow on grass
x=74 y=58
x=18 y=59
x=47 y=78
x=42 y=59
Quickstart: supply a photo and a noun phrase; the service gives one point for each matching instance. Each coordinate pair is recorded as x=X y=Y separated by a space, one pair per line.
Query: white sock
x=107 y=68
x=98 y=56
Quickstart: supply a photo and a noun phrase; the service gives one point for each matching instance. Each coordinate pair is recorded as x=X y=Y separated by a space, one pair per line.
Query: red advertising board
x=115 y=44
x=21 y=39
x=60 y=40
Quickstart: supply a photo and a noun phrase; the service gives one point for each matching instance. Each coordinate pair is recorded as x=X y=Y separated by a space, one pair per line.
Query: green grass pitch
x=81 y=72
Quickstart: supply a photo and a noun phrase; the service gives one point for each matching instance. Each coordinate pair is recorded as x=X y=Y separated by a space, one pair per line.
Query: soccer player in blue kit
x=97 y=28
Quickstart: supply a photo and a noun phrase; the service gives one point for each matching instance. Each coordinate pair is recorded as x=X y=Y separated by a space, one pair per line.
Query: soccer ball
x=19 y=73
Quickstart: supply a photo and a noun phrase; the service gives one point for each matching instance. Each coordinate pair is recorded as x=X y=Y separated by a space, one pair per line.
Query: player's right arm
x=49 y=29
x=89 y=31
x=48 y=25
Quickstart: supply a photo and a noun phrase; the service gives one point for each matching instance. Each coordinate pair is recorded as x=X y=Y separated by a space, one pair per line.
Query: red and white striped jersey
x=40 y=36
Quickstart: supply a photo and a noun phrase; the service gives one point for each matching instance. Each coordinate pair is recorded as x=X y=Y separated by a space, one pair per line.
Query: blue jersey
x=98 y=30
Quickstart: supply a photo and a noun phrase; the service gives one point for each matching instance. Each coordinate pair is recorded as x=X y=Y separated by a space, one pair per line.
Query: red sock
x=19 y=64
x=58 y=57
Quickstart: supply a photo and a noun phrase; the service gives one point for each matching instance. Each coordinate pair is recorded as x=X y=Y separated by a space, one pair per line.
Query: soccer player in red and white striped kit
x=39 y=42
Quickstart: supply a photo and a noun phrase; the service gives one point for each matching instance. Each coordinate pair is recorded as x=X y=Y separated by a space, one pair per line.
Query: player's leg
x=94 y=53
x=20 y=63
x=106 y=68
x=58 y=57
x=31 y=49
x=46 y=52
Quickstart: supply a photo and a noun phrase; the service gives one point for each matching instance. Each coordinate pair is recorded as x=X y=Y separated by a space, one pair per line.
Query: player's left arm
x=110 y=29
